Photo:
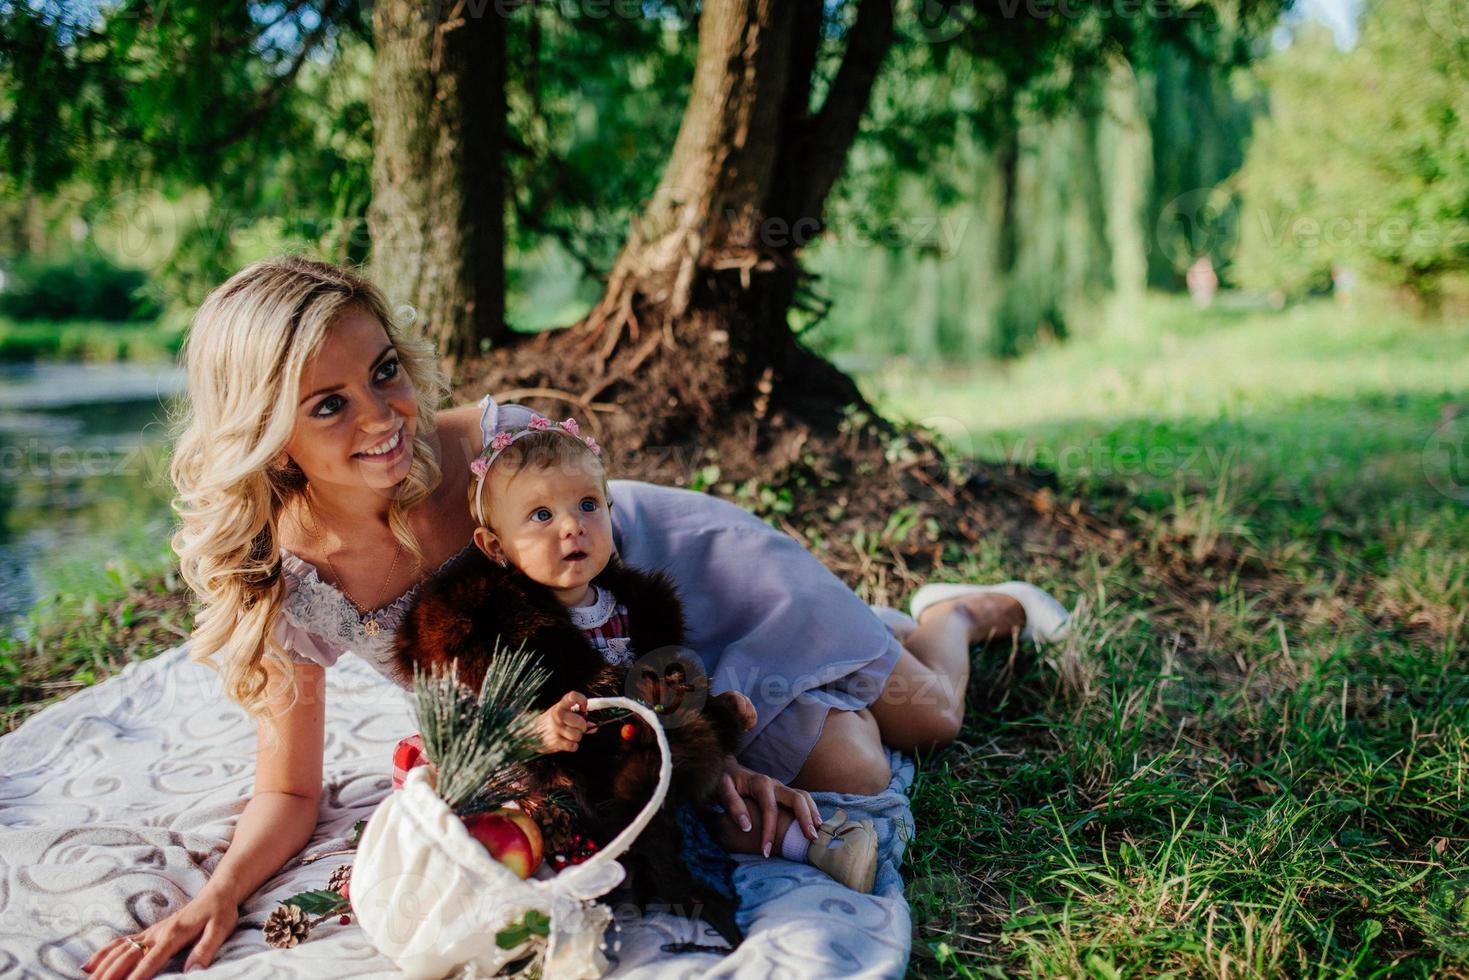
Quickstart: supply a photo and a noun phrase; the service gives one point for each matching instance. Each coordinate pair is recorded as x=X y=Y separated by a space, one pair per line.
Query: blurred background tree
x=1361 y=161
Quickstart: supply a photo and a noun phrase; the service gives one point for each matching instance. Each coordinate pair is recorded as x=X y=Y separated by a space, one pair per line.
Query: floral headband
x=502 y=440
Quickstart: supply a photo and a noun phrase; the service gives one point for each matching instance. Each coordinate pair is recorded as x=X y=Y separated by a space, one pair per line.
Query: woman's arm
x=282 y=814
x=275 y=825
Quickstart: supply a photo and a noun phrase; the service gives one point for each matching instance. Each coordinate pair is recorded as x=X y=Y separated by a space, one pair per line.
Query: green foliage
x=245 y=100
x=1362 y=162
x=321 y=902
x=475 y=738
x=89 y=341
x=75 y=638
x=533 y=923
x=81 y=286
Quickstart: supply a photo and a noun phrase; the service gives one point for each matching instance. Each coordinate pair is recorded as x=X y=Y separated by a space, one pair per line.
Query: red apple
x=532 y=833
x=504 y=839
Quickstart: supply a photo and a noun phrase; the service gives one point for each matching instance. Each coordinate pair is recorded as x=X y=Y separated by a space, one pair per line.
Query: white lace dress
x=318 y=623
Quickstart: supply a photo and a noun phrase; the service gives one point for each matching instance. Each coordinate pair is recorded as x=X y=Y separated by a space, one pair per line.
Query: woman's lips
x=399 y=447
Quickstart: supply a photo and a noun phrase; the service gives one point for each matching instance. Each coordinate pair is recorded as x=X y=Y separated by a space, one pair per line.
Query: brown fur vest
x=474 y=604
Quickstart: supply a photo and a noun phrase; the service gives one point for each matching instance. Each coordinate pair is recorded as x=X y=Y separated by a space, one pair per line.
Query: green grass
x=85 y=340
x=93 y=625
x=1263 y=772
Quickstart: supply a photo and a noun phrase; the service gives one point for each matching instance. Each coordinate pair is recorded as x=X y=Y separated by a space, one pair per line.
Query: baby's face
x=553 y=524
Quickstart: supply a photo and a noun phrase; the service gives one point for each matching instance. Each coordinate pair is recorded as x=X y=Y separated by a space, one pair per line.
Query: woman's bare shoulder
x=458 y=436
x=459 y=430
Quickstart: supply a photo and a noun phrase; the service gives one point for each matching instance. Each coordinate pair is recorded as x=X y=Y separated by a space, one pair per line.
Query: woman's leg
x=847 y=758
x=921 y=705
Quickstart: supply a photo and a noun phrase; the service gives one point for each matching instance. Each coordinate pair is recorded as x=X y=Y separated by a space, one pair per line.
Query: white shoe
x=899 y=623
x=1046 y=620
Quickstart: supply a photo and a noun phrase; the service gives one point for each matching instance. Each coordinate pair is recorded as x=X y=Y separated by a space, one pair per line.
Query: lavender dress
x=765 y=616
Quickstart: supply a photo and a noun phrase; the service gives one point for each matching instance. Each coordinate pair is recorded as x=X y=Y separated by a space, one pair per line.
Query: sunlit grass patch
x=1260 y=774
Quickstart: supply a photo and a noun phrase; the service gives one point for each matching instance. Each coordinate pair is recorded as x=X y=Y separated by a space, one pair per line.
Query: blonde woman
x=318 y=486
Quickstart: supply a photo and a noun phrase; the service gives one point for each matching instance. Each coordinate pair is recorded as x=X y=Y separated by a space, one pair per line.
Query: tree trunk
x=438 y=189
x=692 y=328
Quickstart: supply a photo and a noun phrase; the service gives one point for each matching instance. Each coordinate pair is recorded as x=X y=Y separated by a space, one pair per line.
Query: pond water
x=83 y=476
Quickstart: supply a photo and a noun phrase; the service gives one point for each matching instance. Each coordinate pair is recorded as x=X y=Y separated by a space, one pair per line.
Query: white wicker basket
x=432 y=900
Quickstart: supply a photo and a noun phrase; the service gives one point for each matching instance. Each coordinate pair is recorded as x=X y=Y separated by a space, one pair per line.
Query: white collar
x=594 y=615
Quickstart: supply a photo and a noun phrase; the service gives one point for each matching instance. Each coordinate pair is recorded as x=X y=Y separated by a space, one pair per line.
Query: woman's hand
x=738 y=782
x=209 y=918
x=562 y=725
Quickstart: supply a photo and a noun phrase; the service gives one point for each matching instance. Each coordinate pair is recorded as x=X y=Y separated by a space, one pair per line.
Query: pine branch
x=477 y=742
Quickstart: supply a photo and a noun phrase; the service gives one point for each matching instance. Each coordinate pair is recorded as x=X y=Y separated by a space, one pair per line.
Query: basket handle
x=624 y=840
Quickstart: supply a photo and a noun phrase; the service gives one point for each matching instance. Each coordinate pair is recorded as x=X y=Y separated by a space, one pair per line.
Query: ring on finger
x=136 y=942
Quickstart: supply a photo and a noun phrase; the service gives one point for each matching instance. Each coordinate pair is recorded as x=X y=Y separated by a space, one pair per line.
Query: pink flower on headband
x=480 y=467
x=540 y=422
x=501 y=440
x=592 y=445
x=570 y=426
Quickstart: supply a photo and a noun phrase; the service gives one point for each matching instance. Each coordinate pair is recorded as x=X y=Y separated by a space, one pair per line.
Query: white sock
x=795 y=845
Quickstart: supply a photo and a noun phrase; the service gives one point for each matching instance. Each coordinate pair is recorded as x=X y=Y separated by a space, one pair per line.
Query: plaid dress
x=604 y=623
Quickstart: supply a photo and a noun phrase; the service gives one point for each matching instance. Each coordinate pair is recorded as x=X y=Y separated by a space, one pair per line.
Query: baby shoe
x=847 y=851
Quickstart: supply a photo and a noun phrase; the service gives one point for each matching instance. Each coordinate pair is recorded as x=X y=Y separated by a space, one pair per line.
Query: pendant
x=370 y=627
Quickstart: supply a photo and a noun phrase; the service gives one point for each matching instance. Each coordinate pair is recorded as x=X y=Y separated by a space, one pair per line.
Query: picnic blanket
x=117 y=803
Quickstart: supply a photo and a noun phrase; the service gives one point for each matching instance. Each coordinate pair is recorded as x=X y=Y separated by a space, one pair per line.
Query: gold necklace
x=370 y=625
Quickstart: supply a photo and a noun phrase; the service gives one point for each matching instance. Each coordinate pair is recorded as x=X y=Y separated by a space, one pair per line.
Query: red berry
x=344 y=920
x=628 y=731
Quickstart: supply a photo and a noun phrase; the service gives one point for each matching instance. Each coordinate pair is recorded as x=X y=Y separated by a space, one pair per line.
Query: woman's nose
x=379 y=414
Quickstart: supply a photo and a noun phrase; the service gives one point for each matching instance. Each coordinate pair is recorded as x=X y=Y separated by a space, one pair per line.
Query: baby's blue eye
x=541 y=514
x=588 y=506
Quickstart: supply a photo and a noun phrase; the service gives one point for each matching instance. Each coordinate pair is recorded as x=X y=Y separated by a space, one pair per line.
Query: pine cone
x=339 y=878
x=286 y=926
x=557 y=823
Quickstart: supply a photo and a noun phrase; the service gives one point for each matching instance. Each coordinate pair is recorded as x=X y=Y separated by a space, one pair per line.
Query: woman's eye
x=388 y=370
x=329 y=406
x=541 y=514
x=588 y=506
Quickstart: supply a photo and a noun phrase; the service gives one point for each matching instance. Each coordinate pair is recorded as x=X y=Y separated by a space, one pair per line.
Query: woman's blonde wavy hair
x=244 y=356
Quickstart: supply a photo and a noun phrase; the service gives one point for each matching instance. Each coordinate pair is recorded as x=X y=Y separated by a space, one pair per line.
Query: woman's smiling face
x=356 y=411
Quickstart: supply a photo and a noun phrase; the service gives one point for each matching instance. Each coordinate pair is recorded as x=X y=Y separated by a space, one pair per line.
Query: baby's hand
x=562 y=725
